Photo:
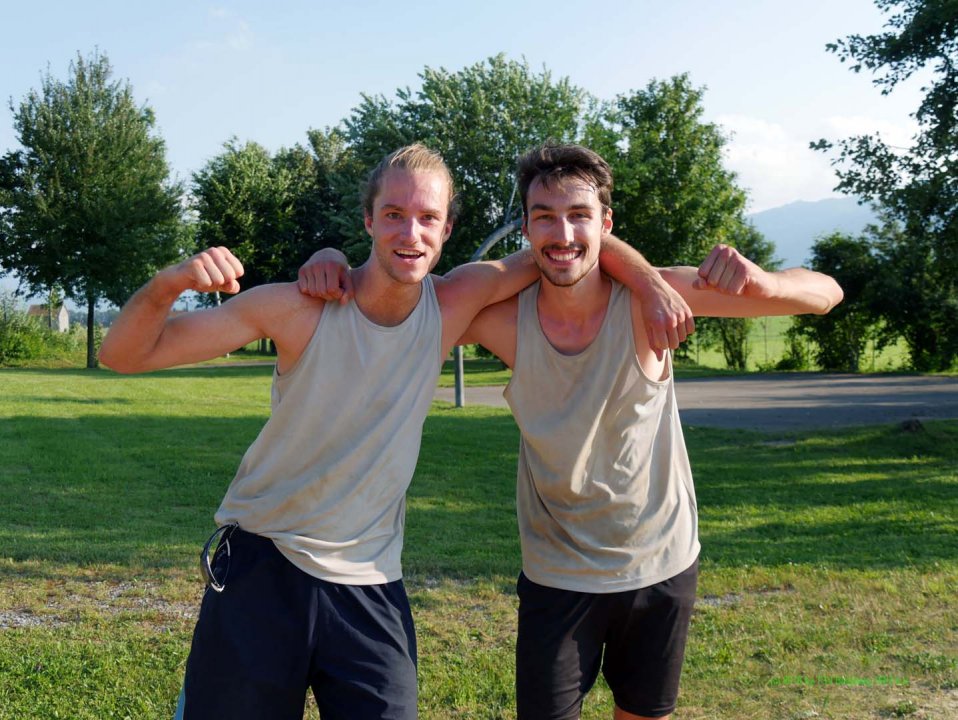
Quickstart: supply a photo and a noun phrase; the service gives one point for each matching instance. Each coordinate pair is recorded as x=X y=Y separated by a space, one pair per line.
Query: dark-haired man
x=606 y=505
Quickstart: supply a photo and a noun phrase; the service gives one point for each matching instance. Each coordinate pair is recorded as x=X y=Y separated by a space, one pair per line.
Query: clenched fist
x=729 y=272
x=215 y=269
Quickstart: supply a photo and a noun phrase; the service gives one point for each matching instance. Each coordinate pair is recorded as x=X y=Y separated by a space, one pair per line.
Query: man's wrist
x=651 y=284
x=163 y=289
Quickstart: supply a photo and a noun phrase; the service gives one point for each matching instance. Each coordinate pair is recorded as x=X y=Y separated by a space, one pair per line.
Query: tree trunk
x=91 y=361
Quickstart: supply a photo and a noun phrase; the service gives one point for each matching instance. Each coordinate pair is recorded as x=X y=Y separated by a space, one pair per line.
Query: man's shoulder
x=282 y=295
x=462 y=285
x=276 y=308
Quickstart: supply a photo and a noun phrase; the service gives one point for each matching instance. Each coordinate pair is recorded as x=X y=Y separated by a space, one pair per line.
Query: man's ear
x=368 y=222
x=525 y=227
x=447 y=232
x=607 y=222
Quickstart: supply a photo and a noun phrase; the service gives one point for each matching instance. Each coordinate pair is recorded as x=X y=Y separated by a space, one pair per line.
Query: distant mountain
x=795 y=227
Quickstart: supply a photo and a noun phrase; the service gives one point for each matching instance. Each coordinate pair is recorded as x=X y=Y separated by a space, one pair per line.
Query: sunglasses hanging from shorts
x=217 y=545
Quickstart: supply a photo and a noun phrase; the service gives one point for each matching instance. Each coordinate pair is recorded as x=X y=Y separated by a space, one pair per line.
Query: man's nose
x=410 y=230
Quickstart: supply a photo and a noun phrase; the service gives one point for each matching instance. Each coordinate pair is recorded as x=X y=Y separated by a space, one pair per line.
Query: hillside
x=795 y=227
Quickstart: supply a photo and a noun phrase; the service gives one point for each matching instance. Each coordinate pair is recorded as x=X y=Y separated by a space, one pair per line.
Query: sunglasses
x=219 y=543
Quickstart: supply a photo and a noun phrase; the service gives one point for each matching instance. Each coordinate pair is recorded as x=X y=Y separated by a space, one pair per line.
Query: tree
x=334 y=202
x=243 y=202
x=841 y=335
x=481 y=119
x=917 y=186
x=275 y=211
x=915 y=297
x=89 y=204
x=673 y=197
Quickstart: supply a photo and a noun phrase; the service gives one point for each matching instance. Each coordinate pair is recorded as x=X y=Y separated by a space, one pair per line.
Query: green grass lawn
x=828 y=575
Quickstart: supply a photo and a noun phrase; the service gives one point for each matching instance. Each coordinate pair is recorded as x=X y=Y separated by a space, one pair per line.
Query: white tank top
x=326 y=477
x=604 y=495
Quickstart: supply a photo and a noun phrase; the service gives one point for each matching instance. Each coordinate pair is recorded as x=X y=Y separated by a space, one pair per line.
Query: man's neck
x=381 y=299
x=571 y=316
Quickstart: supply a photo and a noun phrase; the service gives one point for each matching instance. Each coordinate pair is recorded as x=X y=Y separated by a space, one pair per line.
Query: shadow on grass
x=237 y=370
x=866 y=498
x=140 y=491
x=133 y=489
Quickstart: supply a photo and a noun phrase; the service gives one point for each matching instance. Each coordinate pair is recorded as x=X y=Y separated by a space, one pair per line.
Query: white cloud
x=227 y=31
x=893 y=134
x=775 y=164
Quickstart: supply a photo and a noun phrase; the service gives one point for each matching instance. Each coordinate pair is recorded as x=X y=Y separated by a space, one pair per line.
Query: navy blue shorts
x=275 y=631
x=563 y=634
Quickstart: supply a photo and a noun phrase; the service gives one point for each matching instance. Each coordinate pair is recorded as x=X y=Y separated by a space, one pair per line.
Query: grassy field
x=828 y=575
x=767 y=345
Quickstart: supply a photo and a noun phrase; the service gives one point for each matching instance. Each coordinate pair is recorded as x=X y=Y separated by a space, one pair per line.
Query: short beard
x=564 y=279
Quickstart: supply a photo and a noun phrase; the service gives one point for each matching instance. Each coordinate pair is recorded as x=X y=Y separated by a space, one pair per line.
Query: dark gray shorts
x=275 y=631
x=563 y=634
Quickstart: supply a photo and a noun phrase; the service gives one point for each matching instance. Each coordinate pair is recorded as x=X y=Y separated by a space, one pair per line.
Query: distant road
x=794 y=401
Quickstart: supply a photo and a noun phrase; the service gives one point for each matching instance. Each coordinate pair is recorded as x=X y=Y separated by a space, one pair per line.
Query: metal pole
x=457 y=357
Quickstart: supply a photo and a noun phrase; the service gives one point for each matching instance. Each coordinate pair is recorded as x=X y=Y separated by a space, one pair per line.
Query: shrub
x=24 y=338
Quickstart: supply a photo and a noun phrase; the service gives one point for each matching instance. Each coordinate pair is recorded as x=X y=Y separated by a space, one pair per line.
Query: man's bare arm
x=727 y=284
x=667 y=318
x=463 y=292
x=144 y=336
x=495 y=329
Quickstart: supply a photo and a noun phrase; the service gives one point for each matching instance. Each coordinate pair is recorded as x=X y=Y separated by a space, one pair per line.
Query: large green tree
x=243 y=202
x=481 y=118
x=673 y=197
x=917 y=186
x=89 y=204
x=274 y=211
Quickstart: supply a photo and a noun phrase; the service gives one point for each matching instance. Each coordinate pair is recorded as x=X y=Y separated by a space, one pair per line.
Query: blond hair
x=412 y=158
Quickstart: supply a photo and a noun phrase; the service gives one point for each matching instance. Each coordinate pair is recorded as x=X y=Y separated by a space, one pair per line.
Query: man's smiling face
x=565 y=224
x=409 y=223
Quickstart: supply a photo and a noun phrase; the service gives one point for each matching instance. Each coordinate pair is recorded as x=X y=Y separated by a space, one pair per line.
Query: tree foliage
x=677 y=197
x=274 y=211
x=840 y=336
x=916 y=297
x=243 y=202
x=673 y=198
x=917 y=186
x=481 y=119
x=88 y=202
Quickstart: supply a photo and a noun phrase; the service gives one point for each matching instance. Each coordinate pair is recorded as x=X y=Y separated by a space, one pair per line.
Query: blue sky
x=269 y=71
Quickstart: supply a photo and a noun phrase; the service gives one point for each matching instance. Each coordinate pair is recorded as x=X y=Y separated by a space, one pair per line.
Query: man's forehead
x=404 y=176
x=544 y=188
x=399 y=183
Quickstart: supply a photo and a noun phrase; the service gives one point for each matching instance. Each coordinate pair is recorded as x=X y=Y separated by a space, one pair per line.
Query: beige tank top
x=327 y=476
x=605 y=496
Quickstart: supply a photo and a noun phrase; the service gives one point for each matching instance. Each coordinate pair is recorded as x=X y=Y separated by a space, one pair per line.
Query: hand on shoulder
x=327 y=275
